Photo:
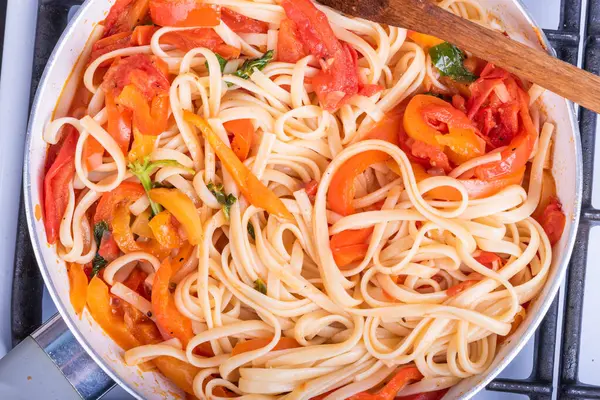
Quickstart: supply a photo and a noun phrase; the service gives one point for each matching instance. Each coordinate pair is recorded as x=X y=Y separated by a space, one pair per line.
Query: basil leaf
x=448 y=59
x=260 y=285
x=247 y=68
x=251 y=231
x=222 y=63
x=144 y=169
x=97 y=264
x=99 y=230
x=226 y=200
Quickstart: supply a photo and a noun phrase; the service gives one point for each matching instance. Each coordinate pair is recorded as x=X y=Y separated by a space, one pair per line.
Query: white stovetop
x=15 y=81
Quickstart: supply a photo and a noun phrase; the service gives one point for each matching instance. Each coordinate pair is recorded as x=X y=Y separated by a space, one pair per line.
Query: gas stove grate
x=542 y=384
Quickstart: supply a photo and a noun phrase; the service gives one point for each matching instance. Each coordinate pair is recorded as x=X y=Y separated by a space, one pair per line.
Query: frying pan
x=51 y=364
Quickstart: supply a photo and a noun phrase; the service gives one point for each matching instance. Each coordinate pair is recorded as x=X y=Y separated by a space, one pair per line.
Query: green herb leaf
x=251 y=231
x=448 y=59
x=99 y=230
x=247 y=68
x=97 y=264
x=222 y=63
x=260 y=285
x=226 y=200
x=144 y=169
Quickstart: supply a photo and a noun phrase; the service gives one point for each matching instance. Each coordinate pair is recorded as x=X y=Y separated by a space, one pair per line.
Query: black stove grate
x=542 y=384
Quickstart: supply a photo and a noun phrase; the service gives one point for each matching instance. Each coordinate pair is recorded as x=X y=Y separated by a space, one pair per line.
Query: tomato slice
x=338 y=79
x=149 y=74
x=241 y=24
x=124 y=15
x=183 y=13
x=553 y=220
x=110 y=43
x=243 y=135
x=108 y=247
x=488 y=259
x=119 y=123
x=200 y=37
x=289 y=47
x=56 y=183
x=135 y=281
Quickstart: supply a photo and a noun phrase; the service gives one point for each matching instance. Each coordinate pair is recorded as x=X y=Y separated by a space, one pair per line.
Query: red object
x=241 y=24
x=338 y=79
x=350 y=245
x=369 y=89
x=488 y=258
x=126 y=191
x=149 y=118
x=289 y=47
x=389 y=391
x=553 y=220
x=147 y=73
x=183 y=13
x=108 y=247
x=436 y=157
x=135 y=281
x=142 y=35
x=119 y=123
x=110 y=43
x=311 y=188
x=435 y=395
x=124 y=15
x=243 y=135
x=200 y=37
x=404 y=142
x=461 y=287
x=56 y=184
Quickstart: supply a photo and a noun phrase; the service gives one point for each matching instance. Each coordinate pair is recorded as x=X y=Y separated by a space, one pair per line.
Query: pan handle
x=51 y=364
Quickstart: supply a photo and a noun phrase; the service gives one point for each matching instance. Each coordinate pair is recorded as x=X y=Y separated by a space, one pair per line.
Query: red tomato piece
x=338 y=79
x=437 y=158
x=311 y=188
x=200 y=37
x=126 y=191
x=460 y=287
x=148 y=73
x=124 y=15
x=369 y=89
x=403 y=377
x=183 y=13
x=241 y=24
x=243 y=135
x=553 y=220
x=108 y=44
x=289 y=47
x=56 y=184
x=488 y=259
x=108 y=247
x=135 y=281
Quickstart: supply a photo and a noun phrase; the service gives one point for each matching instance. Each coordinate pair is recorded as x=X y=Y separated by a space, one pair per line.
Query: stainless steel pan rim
x=38 y=241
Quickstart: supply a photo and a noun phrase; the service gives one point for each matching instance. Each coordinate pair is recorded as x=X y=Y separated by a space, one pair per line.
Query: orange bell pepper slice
x=151 y=119
x=254 y=344
x=341 y=189
x=424 y=40
x=142 y=35
x=253 y=189
x=164 y=231
x=78 y=284
x=183 y=209
x=126 y=192
x=168 y=318
x=349 y=245
x=98 y=302
x=243 y=134
x=389 y=391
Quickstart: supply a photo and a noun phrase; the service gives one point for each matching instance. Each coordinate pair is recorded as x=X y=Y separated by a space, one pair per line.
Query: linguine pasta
x=267 y=309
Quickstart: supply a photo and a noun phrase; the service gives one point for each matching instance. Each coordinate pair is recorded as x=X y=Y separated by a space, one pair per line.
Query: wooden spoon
x=533 y=65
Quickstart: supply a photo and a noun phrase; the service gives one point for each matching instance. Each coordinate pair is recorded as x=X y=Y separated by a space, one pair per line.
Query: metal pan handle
x=50 y=364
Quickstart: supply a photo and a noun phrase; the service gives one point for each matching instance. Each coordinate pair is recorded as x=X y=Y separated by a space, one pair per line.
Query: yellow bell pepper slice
x=252 y=188
x=164 y=231
x=182 y=208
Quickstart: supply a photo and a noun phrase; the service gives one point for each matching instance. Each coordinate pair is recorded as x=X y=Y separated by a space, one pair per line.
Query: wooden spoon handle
x=533 y=65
